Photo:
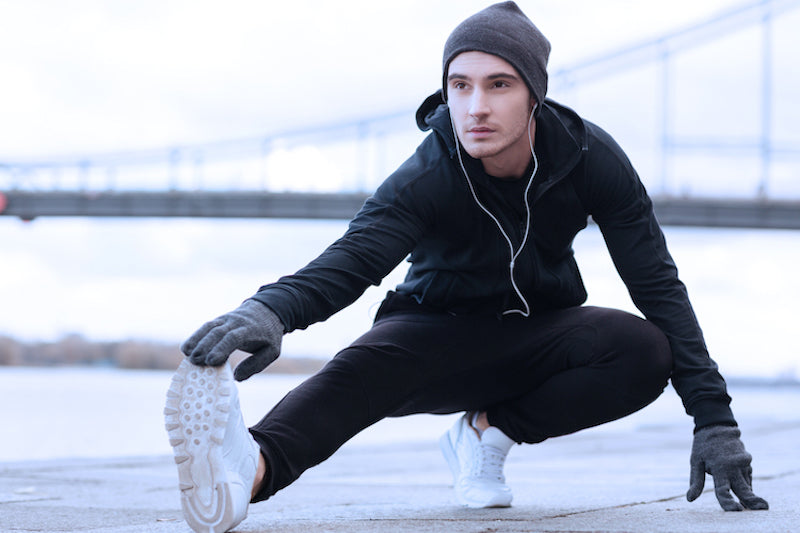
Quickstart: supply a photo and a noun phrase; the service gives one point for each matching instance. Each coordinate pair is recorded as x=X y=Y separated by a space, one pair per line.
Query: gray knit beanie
x=503 y=30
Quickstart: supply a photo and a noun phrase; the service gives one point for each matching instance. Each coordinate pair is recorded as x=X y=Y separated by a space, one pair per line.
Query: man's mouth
x=480 y=131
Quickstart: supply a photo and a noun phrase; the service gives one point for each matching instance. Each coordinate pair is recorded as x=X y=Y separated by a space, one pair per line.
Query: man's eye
x=459 y=85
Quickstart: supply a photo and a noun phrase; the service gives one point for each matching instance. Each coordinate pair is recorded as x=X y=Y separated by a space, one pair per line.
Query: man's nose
x=479 y=104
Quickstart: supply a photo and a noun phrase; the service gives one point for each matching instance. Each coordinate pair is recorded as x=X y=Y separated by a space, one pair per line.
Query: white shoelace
x=490 y=463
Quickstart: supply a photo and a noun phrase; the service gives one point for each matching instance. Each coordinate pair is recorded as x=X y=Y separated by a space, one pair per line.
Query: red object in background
x=3 y=202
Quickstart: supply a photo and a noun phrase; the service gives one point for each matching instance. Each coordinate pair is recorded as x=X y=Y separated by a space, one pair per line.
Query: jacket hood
x=564 y=130
x=433 y=114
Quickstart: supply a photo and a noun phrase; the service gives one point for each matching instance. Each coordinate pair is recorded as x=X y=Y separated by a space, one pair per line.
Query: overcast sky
x=100 y=75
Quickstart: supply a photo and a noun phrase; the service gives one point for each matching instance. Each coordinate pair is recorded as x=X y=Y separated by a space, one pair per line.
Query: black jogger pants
x=538 y=377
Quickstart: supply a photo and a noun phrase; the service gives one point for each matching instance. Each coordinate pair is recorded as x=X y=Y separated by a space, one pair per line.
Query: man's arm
x=624 y=212
x=380 y=236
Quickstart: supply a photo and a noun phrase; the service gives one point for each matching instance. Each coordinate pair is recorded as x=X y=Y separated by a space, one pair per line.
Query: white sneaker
x=216 y=456
x=477 y=464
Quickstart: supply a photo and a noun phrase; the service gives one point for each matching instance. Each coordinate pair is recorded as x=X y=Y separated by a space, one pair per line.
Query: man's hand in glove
x=719 y=451
x=252 y=328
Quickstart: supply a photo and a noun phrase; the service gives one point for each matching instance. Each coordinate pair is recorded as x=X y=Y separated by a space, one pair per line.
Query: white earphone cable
x=513 y=253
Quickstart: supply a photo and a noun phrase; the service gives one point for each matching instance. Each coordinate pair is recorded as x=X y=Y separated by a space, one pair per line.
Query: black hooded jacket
x=429 y=211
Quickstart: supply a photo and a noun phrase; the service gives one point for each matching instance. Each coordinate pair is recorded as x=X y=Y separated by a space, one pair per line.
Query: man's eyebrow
x=503 y=75
x=495 y=76
x=457 y=76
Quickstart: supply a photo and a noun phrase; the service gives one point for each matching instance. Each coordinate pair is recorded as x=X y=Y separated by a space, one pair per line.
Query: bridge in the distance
x=719 y=178
x=27 y=205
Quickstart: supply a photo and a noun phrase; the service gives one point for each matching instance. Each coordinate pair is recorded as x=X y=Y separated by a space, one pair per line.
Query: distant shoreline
x=76 y=351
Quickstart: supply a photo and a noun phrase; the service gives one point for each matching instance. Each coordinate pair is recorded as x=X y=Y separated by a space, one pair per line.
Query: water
x=77 y=412
x=52 y=413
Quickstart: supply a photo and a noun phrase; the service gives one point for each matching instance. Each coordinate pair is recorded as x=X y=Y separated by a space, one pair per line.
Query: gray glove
x=252 y=328
x=719 y=451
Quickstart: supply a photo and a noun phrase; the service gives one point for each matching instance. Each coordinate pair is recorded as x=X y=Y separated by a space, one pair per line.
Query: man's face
x=490 y=106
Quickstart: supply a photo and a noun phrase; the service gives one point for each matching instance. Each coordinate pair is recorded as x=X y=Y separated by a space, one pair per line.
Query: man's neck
x=506 y=171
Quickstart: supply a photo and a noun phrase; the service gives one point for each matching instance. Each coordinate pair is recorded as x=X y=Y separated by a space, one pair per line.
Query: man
x=489 y=319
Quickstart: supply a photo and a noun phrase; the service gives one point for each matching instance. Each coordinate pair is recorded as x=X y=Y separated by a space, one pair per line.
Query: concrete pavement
x=624 y=477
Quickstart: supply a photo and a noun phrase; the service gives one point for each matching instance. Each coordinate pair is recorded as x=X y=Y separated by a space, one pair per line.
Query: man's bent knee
x=651 y=350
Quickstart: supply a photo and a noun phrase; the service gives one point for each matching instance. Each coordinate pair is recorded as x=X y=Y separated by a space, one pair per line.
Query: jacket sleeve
x=378 y=238
x=623 y=211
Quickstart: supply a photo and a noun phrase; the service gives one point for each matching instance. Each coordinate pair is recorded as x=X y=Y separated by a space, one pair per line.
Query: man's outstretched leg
x=218 y=460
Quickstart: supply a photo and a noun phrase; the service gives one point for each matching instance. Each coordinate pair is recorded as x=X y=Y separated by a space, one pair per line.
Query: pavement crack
x=772 y=477
x=28 y=500
x=779 y=475
x=612 y=507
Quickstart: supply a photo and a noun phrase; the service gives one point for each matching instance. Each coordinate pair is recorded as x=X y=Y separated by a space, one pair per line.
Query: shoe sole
x=196 y=413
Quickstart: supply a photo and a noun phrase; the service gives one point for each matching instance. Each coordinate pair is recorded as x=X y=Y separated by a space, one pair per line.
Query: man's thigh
x=440 y=363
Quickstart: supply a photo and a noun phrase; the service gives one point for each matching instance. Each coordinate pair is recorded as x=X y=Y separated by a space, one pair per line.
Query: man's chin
x=480 y=150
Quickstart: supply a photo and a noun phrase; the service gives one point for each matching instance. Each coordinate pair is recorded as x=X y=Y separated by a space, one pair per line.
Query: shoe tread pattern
x=195 y=416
